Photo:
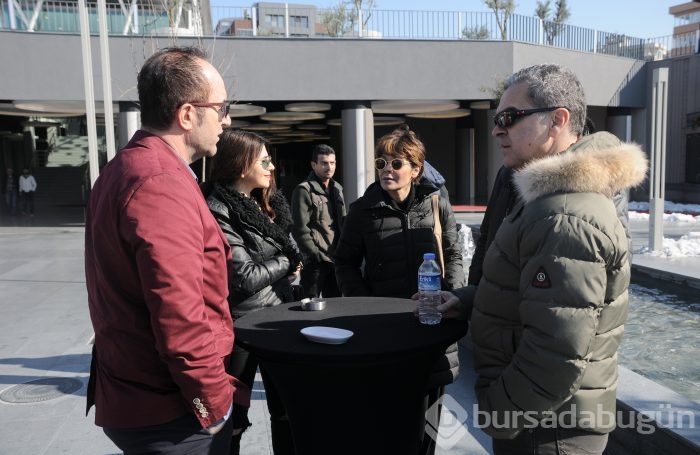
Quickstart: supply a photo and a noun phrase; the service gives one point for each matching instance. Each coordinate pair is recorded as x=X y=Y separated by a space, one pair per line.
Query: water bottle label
x=429 y=282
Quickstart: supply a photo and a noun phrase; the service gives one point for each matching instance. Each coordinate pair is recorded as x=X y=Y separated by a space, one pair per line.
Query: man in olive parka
x=550 y=308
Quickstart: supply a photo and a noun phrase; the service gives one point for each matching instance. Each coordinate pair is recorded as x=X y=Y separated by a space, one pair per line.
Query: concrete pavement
x=45 y=335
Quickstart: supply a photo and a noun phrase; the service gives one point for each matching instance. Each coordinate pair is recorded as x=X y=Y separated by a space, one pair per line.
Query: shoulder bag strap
x=437 y=231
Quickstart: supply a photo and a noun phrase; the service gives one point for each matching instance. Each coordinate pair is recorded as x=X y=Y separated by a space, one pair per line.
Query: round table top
x=381 y=327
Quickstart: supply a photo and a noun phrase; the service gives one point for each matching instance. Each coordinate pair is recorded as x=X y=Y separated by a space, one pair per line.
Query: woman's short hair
x=404 y=143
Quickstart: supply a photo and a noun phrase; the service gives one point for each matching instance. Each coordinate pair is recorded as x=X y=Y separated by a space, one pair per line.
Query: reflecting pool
x=662 y=339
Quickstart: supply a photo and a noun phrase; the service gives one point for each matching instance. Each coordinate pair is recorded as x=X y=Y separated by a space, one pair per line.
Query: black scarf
x=249 y=212
x=406 y=204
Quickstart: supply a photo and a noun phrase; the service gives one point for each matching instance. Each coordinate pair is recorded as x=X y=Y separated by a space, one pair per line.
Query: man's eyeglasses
x=266 y=162
x=221 y=108
x=508 y=117
x=396 y=163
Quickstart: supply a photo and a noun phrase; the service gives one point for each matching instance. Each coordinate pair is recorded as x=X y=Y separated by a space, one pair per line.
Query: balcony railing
x=147 y=18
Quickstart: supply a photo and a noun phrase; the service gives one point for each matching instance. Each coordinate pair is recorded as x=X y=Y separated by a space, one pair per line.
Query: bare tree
x=552 y=24
x=340 y=19
x=476 y=33
x=336 y=20
x=495 y=91
x=503 y=9
x=357 y=17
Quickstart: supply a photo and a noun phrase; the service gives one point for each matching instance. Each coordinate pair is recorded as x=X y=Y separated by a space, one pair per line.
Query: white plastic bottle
x=429 y=288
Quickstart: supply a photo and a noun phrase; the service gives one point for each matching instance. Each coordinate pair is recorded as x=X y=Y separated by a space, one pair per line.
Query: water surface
x=662 y=339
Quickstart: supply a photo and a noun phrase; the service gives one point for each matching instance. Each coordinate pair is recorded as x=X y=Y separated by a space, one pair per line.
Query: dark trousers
x=26 y=199
x=242 y=365
x=11 y=201
x=552 y=441
x=181 y=436
x=319 y=279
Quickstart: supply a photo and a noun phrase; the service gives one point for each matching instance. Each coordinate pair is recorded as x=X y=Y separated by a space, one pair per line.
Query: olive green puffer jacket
x=550 y=309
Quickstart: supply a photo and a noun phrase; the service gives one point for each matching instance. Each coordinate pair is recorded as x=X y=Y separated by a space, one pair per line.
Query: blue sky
x=641 y=19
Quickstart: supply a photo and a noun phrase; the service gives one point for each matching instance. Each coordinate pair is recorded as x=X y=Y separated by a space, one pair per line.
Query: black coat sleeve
x=247 y=276
x=349 y=255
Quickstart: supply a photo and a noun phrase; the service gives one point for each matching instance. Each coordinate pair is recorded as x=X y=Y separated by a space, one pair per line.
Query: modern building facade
x=358 y=89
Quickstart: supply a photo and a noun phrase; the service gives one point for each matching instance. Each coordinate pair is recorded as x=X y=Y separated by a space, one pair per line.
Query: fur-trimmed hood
x=599 y=163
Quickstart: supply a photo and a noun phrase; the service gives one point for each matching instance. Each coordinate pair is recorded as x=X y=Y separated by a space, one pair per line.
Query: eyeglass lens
x=222 y=109
x=510 y=116
x=265 y=162
x=225 y=109
x=396 y=163
x=504 y=119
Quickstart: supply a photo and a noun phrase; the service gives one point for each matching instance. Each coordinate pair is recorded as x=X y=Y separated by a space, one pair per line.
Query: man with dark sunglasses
x=553 y=282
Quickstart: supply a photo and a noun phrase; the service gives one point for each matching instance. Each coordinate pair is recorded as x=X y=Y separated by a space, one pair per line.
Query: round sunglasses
x=508 y=117
x=396 y=163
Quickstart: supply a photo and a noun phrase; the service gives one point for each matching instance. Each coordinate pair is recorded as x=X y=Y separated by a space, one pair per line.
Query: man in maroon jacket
x=155 y=266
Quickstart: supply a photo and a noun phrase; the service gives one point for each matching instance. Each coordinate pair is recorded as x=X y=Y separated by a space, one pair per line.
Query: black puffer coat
x=263 y=252
x=391 y=243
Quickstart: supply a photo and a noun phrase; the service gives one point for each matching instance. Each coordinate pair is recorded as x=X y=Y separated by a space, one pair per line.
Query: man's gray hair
x=551 y=85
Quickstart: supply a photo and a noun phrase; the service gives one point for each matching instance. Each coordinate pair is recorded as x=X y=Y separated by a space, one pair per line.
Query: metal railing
x=268 y=20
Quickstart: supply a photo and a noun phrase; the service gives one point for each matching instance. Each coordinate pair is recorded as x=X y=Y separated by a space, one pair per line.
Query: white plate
x=328 y=335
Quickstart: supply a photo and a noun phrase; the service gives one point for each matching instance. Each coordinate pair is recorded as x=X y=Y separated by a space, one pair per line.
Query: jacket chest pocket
x=320 y=206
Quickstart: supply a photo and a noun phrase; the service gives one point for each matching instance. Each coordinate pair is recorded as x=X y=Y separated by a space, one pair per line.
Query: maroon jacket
x=155 y=266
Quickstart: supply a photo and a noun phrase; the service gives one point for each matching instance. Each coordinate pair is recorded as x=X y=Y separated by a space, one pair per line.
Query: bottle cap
x=428 y=256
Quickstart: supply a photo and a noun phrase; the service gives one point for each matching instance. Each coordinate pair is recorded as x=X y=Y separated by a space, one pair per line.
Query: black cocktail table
x=362 y=397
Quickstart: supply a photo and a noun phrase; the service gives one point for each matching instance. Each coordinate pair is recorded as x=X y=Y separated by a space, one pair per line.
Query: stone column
x=129 y=122
x=358 y=151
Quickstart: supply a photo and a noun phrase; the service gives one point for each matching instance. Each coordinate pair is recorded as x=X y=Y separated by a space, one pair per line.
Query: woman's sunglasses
x=396 y=163
x=266 y=162
x=508 y=117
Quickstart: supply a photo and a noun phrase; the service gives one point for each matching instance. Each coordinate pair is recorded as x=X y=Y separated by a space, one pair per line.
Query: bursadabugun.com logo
x=447 y=421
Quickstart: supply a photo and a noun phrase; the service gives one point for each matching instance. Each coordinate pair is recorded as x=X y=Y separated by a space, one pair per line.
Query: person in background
x=155 y=269
x=318 y=210
x=256 y=219
x=555 y=276
x=9 y=190
x=389 y=229
x=433 y=176
x=27 y=187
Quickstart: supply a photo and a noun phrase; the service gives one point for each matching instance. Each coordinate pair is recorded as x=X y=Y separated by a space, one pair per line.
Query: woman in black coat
x=389 y=228
x=386 y=232
x=256 y=220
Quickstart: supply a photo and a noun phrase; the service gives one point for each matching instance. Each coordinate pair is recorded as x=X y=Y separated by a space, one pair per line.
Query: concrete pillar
x=495 y=157
x=89 y=88
x=464 y=160
x=358 y=151
x=620 y=126
x=657 y=174
x=129 y=121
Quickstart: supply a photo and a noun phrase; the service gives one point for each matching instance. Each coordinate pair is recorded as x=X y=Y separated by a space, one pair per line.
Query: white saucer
x=328 y=335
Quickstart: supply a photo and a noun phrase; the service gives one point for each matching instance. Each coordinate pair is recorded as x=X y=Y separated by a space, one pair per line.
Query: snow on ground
x=687 y=245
